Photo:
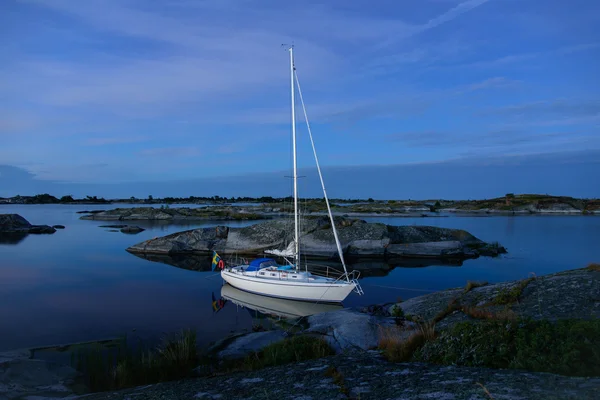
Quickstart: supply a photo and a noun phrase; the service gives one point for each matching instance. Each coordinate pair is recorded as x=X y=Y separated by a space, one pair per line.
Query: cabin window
x=272 y=274
x=262 y=273
x=294 y=276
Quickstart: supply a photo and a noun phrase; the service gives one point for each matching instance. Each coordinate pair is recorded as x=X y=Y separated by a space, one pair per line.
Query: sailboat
x=265 y=276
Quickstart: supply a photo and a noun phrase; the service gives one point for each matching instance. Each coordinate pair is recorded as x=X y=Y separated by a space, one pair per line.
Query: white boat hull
x=324 y=292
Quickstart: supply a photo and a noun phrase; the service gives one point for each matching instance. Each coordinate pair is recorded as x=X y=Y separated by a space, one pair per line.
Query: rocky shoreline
x=359 y=239
x=270 y=211
x=358 y=370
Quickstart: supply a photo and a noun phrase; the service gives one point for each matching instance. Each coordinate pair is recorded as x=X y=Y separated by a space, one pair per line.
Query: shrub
x=593 y=267
x=567 y=347
x=396 y=311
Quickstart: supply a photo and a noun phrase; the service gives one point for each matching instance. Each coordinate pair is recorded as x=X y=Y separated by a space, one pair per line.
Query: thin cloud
x=447 y=16
x=498 y=82
x=493 y=140
x=520 y=58
x=104 y=141
x=167 y=152
x=547 y=108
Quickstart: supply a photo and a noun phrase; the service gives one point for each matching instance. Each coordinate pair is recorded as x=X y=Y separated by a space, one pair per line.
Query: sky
x=406 y=98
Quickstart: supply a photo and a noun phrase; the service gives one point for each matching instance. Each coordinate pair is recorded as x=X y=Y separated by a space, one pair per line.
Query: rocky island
x=510 y=204
x=167 y=214
x=15 y=224
x=535 y=338
x=359 y=239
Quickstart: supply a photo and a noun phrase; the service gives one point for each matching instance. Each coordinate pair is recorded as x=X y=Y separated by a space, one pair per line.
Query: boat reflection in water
x=274 y=307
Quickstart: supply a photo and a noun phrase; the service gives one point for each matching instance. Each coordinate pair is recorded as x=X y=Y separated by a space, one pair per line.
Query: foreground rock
x=571 y=294
x=356 y=371
x=243 y=345
x=14 y=223
x=22 y=377
x=347 y=329
x=366 y=376
x=358 y=239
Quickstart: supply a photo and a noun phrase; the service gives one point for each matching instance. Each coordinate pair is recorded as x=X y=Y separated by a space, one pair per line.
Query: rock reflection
x=12 y=238
x=367 y=267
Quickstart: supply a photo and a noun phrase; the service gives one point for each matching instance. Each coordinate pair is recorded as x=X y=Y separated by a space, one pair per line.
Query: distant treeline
x=508 y=201
x=49 y=199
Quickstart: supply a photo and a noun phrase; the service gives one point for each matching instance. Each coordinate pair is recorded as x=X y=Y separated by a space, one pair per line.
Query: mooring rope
x=402 y=288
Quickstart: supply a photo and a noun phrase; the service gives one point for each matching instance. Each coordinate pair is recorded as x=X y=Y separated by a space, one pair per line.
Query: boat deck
x=273 y=273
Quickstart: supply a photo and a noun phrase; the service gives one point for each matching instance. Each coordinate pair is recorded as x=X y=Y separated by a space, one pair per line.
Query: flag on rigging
x=216 y=260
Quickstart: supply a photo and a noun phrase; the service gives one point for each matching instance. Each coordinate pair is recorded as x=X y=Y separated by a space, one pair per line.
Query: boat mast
x=296 y=225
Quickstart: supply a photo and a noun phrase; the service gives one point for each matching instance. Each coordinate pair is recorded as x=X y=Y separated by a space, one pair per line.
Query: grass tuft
x=289 y=350
x=132 y=364
x=453 y=306
x=512 y=295
x=397 y=347
x=593 y=267
x=482 y=313
x=473 y=284
x=485 y=390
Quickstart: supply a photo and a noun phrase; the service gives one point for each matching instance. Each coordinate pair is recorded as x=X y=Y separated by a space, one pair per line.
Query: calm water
x=80 y=284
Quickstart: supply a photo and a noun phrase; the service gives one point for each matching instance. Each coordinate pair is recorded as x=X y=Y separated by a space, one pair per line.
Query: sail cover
x=287 y=252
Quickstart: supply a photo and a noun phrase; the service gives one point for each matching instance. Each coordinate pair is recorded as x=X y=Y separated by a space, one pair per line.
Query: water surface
x=80 y=284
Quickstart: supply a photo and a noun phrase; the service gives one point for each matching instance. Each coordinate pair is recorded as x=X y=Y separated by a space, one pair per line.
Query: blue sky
x=121 y=92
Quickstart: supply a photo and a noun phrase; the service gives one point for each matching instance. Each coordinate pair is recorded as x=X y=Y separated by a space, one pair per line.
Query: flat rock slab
x=346 y=328
x=251 y=342
x=366 y=376
x=564 y=295
x=22 y=378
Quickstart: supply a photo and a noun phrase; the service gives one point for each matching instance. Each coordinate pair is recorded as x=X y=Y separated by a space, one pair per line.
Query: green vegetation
x=397 y=311
x=512 y=295
x=567 y=347
x=293 y=349
x=397 y=347
x=126 y=364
